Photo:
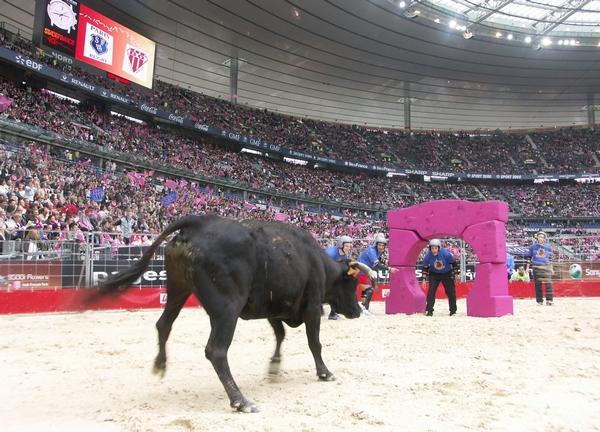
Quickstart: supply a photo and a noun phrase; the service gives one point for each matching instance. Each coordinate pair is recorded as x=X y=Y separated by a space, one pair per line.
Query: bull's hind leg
x=176 y=297
x=279 y=336
x=221 y=334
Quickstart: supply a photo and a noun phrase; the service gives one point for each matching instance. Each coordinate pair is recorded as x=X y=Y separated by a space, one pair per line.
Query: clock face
x=61 y=15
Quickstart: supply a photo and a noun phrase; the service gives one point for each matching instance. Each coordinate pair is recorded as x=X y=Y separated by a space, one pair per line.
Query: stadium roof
x=569 y=22
x=363 y=61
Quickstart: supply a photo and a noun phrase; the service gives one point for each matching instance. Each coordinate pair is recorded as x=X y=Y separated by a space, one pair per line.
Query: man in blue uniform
x=340 y=252
x=540 y=259
x=439 y=265
x=373 y=257
x=510 y=265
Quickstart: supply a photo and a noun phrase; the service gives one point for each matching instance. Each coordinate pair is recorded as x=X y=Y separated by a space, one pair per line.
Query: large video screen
x=90 y=37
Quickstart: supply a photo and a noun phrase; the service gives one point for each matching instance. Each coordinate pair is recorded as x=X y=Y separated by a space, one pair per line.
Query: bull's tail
x=123 y=280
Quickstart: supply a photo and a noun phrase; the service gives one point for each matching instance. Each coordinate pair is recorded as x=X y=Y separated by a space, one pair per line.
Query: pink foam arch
x=481 y=224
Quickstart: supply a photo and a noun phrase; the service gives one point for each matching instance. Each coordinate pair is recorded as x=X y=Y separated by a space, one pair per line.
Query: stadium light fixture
x=527 y=39
x=402 y=4
x=437 y=20
x=467 y=34
x=498 y=34
x=546 y=41
x=509 y=37
x=452 y=24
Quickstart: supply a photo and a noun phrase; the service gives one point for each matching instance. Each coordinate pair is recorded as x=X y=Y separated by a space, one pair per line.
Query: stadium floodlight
x=452 y=24
x=467 y=34
x=509 y=37
x=560 y=42
x=498 y=34
x=437 y=20
x=546 y=41
x=527 y=39
x=402 y=4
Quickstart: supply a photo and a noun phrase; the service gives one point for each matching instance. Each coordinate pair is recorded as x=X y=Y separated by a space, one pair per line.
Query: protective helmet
x=344 y=239
x=435 y=242
x=379 y=238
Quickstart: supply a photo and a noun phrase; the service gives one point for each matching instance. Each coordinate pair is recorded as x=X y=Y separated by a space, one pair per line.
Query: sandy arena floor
x=537 y=371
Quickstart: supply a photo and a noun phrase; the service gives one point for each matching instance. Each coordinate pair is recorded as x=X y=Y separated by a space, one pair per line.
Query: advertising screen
x=60 y=25
x=109 y=46
x=79 y=31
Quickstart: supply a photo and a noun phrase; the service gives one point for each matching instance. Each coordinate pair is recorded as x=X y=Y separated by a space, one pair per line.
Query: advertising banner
x=29 y=275
x=60 y=25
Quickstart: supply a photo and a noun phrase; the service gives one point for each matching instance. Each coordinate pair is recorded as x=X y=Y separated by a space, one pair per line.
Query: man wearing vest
x=439 y=265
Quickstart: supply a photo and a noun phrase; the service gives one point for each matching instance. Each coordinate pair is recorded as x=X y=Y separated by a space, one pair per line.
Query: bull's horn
x=362 y=267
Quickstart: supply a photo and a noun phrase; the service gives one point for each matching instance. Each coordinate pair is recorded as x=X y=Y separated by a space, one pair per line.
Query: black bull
x=248 y=269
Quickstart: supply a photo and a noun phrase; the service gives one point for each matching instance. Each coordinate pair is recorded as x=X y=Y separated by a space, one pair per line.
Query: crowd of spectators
x=568 y=150
x=46 y=193
x=209 y=159
x=47 y=202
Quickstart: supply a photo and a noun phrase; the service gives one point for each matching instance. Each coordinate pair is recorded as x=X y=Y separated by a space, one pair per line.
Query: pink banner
x=5 y=103
x=282 y=217
x=171 y=184
x=136 y=178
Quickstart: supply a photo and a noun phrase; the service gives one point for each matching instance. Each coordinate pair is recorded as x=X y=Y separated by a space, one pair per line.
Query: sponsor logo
x=55 y=38
x=104 y=93
x=176 y=118
x=149 y=109
x=64 y=77
x=119 y=97
x=201 y=126
x=24 y=61
x=83 y=84
x=147 y=276
x=163 y=298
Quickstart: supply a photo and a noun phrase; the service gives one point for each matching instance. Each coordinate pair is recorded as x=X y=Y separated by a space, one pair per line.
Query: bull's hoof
x=274 y=366
x=159 y=369
x=328 y=376
x=244 y=406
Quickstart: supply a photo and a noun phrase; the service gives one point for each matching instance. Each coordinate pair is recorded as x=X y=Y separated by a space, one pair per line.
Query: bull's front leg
x=312 y=321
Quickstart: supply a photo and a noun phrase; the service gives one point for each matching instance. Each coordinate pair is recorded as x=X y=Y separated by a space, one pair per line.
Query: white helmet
x=344 y=239
x=379 y=238
x=435 y=242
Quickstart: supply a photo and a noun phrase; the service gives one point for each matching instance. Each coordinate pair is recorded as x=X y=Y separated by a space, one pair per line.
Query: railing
x=88 y=258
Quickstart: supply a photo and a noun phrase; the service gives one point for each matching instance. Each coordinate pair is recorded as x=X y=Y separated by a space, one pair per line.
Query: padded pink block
x=410 y=299
x=404 y=247
x=481 y=224
x=490 y=279
x=446 y=217
x=488 y=241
